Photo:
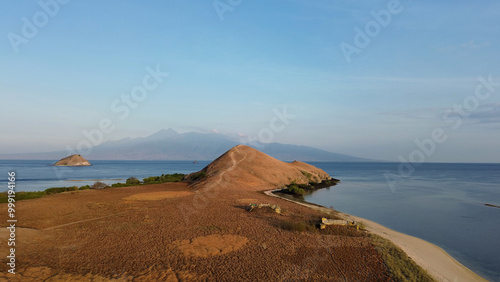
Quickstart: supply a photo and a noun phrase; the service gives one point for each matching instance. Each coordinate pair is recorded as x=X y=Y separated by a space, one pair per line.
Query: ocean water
x=37 y=175
x=440 y=203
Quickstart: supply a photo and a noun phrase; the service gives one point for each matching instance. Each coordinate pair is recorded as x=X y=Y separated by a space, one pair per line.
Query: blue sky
x=229 y=71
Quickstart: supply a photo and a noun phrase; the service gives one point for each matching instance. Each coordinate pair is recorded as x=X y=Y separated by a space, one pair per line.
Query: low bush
x=297 y=226
x=57 y=190
x=302 y=189
x=99 y=185
x=22 y=196
x=133 y=181
x=152 y=180
x=307 y=174
x=27 y=195
x=116 y=185
x=294 y=189
x=176 y=177
x=198 y=176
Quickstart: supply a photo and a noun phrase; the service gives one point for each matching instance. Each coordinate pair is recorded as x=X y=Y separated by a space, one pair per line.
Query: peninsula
x=216 y=224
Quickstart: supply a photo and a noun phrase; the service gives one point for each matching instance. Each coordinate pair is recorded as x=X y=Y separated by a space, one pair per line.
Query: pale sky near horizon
x=65 y=67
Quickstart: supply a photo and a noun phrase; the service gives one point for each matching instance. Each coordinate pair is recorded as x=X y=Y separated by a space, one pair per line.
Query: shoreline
x=436 y=261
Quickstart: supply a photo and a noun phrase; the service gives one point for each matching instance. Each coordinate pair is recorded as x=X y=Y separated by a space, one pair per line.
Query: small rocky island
x=73 y=160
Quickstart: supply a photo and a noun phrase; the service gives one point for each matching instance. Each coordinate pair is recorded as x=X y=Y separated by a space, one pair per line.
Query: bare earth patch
x=155 y=196
x=211 y=245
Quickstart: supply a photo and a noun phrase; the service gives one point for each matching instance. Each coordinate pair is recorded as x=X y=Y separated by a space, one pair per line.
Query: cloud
x=422 y=113
x=488 y=113
x=484 y=114
x=473 y=45
x=467 y=45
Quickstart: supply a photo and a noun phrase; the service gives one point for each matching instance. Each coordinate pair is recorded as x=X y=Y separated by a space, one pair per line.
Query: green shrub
x=152 y=180
x=57 y=190
x=306 y=174
x=29 y=195
x=36 y=194
x=22 y=196
x=295 y=190
x=116 y=185
x=176 y=177
x=133 y=181
x=198 y=176
x=99 y=185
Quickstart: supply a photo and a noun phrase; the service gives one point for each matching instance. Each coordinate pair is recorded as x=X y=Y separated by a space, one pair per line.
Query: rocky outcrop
x=73 y=160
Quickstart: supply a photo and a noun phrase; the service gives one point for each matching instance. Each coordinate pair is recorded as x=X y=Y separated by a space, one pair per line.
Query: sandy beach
x=431 y=257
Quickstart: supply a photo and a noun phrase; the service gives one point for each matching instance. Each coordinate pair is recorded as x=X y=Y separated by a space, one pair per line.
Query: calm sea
x=441 y=203
x=39 y=175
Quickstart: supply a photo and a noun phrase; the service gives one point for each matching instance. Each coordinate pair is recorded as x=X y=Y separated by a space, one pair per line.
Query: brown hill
x=73 y=160
x=243 y=167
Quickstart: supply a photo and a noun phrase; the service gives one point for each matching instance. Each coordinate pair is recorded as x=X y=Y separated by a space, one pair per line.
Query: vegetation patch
x=198 y=176
x=164 y=178
x=38 y=194
x=401 y=267
x=339 y=230
x=99 y=185
x=298 y=226
x=131 y=181
x=307 y=174
x=303 y=189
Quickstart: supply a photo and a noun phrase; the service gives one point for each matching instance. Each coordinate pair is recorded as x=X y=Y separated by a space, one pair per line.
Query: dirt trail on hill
x=231 y=168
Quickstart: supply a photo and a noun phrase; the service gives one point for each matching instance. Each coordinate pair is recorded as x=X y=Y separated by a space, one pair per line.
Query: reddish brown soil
x=207 y=235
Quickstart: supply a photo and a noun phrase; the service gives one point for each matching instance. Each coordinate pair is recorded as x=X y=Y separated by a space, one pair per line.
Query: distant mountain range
x=168 y=144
